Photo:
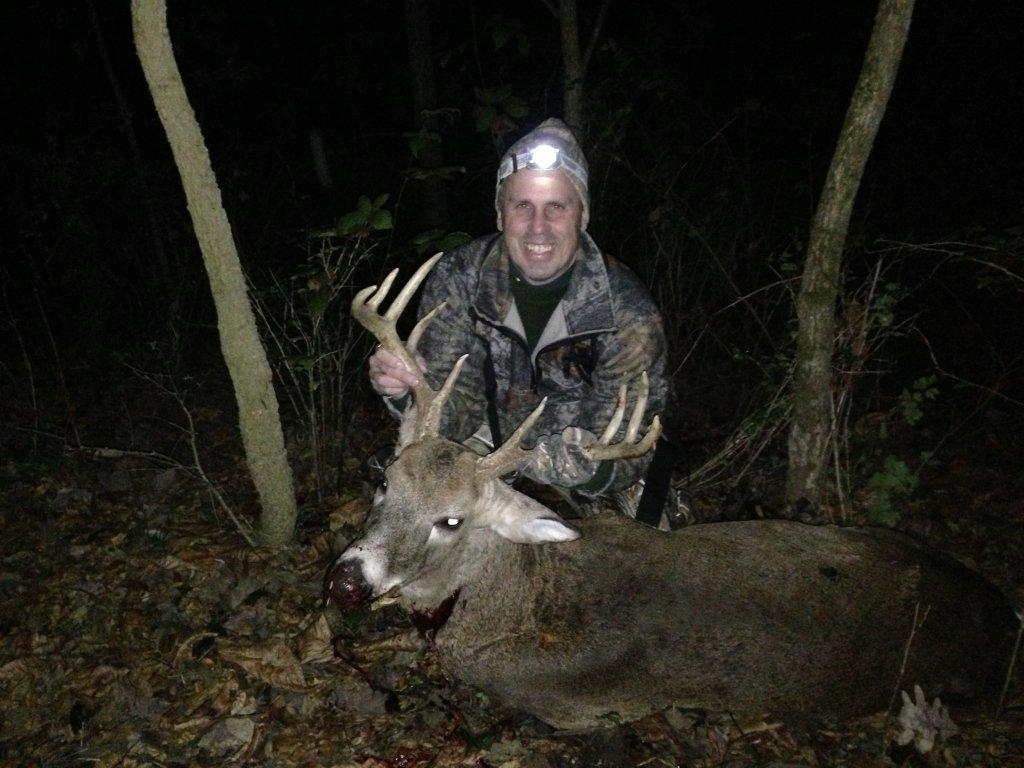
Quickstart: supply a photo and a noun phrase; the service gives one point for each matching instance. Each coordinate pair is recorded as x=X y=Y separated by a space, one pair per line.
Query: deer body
x=750 y=617
x=612 y=620
x=757 y=617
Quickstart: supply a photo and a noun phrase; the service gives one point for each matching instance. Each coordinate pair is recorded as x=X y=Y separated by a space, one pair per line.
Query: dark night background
x=710 y=127
x=709 y=130
x=714 y=113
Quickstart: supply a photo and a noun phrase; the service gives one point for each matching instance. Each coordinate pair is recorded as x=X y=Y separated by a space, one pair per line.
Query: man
x=541 y=313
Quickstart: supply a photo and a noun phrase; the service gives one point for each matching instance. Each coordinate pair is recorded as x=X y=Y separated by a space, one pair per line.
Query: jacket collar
x=586 y=306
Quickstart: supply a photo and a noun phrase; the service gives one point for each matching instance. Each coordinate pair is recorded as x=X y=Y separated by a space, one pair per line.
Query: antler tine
x=616 y=419
x=398 y=305
x=417 y=330
x=638 y=412
x=381 y=293
x=430 y=421
x=628 y=448
x=509 y=456
x=365 y=309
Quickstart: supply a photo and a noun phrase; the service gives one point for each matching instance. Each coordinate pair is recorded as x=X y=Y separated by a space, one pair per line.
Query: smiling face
x=541 y=218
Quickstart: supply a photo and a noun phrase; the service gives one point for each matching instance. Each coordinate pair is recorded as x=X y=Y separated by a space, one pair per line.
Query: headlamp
x=541 y=157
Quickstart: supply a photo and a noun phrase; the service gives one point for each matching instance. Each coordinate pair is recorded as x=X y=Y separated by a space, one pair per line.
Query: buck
x=607 y=620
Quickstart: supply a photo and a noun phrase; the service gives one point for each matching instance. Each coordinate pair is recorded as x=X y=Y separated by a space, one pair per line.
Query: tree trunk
x=246 y=359
x=576 y=60
x=572 y=65
x=434 y=207
x=812 y=428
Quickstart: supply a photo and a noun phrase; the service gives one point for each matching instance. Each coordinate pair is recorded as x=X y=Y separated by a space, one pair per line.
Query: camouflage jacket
x=604 y=332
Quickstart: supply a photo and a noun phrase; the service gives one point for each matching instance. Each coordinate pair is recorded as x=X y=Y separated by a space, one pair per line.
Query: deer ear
x=538 y=531
x=519 y=518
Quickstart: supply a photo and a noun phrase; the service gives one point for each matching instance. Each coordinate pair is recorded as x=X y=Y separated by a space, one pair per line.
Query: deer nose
x=345 y=586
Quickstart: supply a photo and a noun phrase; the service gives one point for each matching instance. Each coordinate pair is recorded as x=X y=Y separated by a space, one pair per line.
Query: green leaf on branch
x=380 y=220
x=351 y=222
x=302 y=362
x=418 y=141
x=484 y=116
x=369 y=215
x=446 y=172
x=318 y=303
x=434 y=240
x=893 y=482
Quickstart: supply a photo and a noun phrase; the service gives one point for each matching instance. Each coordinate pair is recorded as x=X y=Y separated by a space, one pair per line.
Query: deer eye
x=449 y=523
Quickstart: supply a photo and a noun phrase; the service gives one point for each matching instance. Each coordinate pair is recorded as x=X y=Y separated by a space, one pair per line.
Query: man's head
x=542 y=201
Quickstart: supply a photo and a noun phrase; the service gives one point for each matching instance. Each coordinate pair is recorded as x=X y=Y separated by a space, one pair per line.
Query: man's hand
x=390 y=377
x=559 y=459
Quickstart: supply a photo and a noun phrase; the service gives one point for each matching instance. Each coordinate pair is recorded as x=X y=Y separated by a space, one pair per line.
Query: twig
x=595 y=33
x=60 y=365
x=27 y=362
x=107 y=452
x=188 y=642
x=551 y=7
x=243 y=528
x=906 y=653
x=741 y=300
x=967 y=383
x=476 y=43
x=1013 y=663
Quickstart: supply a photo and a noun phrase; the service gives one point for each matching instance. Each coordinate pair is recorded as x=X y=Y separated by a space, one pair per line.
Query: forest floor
x=137 y=628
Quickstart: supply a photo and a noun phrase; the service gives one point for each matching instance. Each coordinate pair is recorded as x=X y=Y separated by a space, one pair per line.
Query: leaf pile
x=137 y=629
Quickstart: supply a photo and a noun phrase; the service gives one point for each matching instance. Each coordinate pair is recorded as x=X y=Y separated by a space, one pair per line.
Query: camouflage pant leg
x=675 y=513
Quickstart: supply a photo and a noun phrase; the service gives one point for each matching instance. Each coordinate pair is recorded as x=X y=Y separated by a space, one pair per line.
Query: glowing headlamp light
x=542 y=157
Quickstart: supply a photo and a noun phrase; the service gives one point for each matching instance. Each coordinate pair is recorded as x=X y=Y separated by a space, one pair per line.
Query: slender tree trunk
x=434 y=211
x=572 y=64
x=576 y=60
x=246 y=359
x=812 y=427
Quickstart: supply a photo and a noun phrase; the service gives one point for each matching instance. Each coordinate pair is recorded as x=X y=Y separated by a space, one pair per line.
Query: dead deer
x=609 y=620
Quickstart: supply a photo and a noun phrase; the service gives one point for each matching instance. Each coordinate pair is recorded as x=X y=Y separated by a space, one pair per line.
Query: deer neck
x=500 y=597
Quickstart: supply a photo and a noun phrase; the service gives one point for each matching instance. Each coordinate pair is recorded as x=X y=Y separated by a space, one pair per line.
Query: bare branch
x=552 y=8
x=595 y=33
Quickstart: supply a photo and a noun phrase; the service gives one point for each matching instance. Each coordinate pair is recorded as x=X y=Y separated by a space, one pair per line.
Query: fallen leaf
x=314 y=645
x=272 y=661
x=227 y=736
x=349 y=512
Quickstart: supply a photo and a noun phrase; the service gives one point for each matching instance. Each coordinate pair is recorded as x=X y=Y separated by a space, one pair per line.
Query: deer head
x=441 y=507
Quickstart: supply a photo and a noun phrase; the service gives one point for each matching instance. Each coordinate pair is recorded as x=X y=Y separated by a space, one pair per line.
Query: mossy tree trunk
x=246 y=359
x=812 y=428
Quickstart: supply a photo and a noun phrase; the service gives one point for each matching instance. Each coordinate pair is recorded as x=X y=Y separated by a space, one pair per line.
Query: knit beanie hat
x=567 y=155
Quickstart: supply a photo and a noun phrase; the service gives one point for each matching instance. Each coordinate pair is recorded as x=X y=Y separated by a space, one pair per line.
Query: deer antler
x=365 y=309
x=629 y=447
x=510 y=456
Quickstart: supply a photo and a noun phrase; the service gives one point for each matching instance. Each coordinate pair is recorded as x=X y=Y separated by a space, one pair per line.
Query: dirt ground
x=137 y=628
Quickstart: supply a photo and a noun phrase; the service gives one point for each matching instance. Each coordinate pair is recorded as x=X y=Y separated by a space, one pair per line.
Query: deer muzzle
x=345 y=586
